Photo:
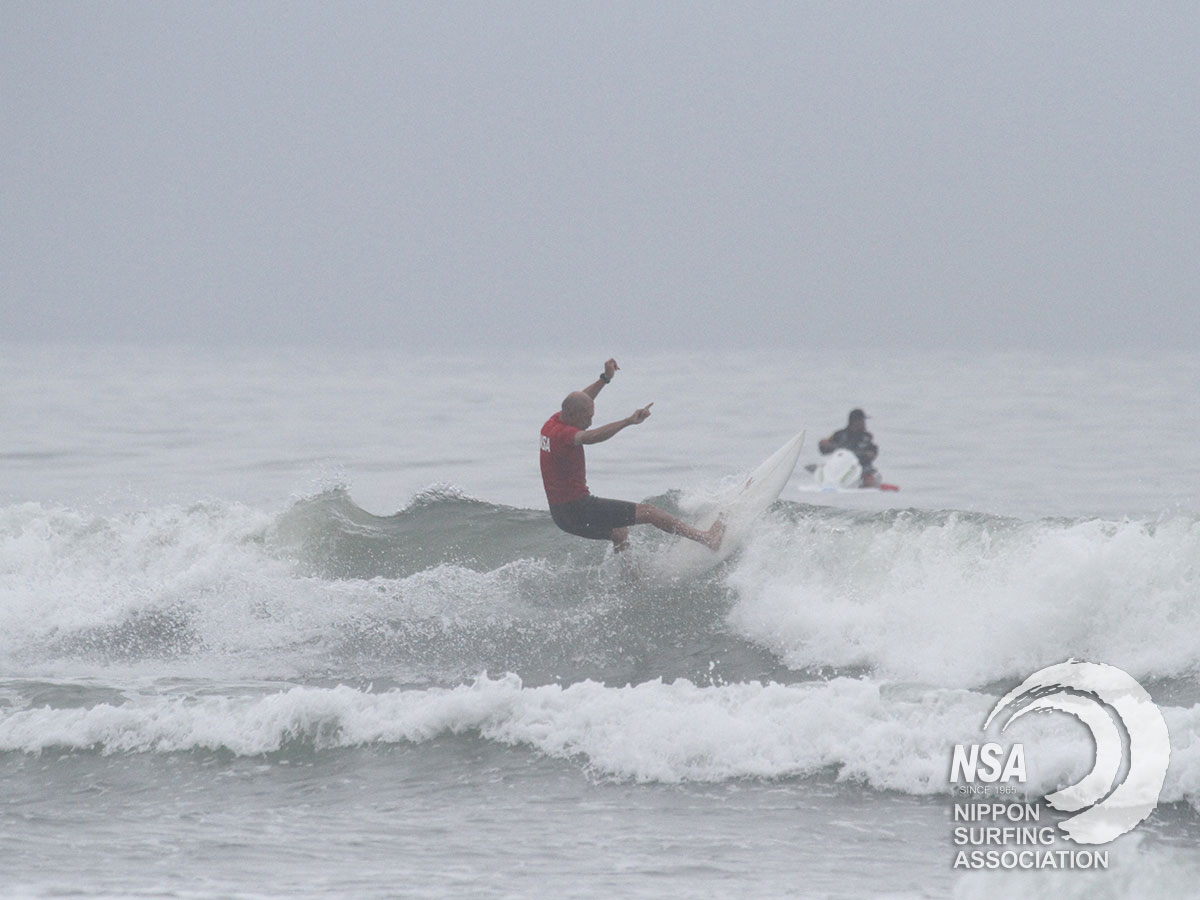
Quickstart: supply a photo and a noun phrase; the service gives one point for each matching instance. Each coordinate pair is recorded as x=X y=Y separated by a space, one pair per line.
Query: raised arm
x=604 y=432
x=598 y=385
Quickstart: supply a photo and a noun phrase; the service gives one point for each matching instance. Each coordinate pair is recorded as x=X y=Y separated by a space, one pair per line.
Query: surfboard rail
x=739 y=507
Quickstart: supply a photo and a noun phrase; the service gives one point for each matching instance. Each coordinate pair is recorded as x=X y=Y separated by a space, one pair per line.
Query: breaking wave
x=452 y=585
x=887 y=736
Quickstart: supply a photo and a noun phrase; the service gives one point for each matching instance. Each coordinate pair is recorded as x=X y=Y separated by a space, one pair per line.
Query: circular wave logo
x=1111 y=805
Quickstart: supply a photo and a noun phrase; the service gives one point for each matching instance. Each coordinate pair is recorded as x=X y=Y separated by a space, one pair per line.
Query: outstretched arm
x=596 y=386
x=604 y=432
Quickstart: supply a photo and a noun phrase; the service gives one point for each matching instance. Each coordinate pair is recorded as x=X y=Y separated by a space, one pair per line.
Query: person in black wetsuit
x=855 y=438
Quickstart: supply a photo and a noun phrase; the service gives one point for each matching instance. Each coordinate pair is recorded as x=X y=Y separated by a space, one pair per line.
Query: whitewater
x=297 y=623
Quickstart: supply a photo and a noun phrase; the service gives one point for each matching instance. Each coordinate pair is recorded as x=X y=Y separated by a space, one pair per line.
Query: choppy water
x=289 y=623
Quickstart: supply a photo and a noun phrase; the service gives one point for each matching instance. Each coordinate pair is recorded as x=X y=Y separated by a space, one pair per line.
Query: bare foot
x=713 y=536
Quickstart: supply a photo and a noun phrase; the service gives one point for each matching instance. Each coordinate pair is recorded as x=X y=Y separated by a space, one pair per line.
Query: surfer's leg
x=596 y=518
x=664 y=521
x=620 y=539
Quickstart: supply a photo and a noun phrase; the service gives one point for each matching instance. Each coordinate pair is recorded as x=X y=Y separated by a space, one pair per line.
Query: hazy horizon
x=638 y=176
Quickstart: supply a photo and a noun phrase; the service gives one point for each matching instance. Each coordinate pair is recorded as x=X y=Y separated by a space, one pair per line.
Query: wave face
x=445 y=588
x=452 y=585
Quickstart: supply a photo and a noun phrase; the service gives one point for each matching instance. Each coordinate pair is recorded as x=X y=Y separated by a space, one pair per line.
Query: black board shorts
x=593 y=517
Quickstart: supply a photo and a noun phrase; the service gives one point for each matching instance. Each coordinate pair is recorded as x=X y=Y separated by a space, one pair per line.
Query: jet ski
x=841 y=471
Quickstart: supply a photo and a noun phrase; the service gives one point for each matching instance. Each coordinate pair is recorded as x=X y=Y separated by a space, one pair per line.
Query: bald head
x=578 y=409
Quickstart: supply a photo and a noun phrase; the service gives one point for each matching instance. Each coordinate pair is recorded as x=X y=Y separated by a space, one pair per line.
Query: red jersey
x=564 y=474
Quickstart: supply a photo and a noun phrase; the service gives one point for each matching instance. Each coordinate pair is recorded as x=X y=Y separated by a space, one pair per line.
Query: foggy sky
x=626 y=175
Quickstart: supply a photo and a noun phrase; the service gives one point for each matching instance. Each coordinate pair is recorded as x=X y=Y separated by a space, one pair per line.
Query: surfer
x=855 y=438
x=572 y=506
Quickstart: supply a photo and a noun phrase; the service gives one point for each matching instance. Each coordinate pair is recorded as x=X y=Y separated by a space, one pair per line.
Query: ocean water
x=286 y=623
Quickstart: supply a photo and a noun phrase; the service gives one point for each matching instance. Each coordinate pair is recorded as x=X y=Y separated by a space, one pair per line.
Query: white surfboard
x=739 y=505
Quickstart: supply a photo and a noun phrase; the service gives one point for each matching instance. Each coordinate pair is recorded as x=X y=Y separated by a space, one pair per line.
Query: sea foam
x=955 y=599
x=945 y=599
x=888 y=736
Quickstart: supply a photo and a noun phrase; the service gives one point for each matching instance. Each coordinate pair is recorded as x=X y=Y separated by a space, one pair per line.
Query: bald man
x=572 y=506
